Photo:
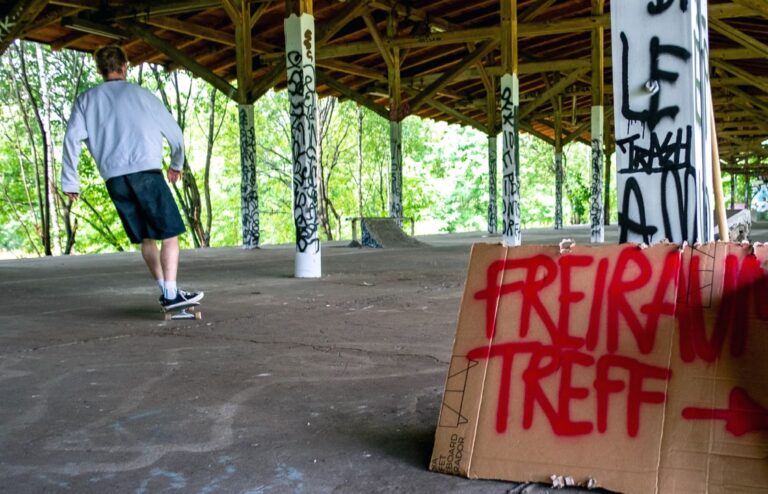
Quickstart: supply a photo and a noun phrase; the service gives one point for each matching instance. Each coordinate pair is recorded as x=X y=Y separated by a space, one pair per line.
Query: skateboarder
x=123 y=126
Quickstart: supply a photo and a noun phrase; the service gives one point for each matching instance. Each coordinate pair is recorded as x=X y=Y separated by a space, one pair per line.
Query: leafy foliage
x=445 y=167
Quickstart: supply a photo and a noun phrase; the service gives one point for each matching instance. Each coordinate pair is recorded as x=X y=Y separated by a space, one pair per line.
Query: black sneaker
x=183 y=299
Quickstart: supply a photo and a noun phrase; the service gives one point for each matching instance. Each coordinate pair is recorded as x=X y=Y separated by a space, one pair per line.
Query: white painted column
x=396 y=170
x=492 y=188
x=510 y=106
x=300 y=54
x=596 y=199
x=249 y=194
x=662 y=115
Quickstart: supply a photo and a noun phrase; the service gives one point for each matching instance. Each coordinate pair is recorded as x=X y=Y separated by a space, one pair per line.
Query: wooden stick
x=717 y=179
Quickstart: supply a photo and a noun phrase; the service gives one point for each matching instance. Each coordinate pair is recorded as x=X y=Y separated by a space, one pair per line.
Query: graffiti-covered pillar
x=662 y=121
x=510 y=106
x=559 y=164
x=598 y=126
x=558 y=188
x=492 y=189
x=300 y=58
x=249 y=194
x=396 y=170
x=510 y=111
x=596 y=200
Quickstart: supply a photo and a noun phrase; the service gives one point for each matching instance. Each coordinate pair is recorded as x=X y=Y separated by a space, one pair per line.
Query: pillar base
x=308 y=265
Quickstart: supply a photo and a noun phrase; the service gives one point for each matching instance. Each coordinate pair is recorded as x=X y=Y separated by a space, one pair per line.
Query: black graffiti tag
x=653 y=115
x=661 y=6
x=672 y=159
x=249 y=195
x=300 y=86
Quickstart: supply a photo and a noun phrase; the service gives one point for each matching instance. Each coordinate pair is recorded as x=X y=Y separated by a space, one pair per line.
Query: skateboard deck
x=187 y=312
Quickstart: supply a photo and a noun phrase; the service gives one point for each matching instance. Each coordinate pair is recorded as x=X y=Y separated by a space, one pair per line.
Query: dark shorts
x=146 y=206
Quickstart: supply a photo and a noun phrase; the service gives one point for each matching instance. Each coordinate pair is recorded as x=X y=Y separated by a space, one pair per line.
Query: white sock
x=161 y=284
x=169 y=290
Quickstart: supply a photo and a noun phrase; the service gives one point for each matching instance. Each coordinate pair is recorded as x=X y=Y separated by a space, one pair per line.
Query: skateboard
x=187 y=312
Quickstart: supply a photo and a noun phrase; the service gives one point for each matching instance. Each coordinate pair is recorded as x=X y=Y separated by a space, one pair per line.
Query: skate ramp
x=385 y=232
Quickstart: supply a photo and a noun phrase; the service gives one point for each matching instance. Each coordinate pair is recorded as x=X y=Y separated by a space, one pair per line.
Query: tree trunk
x=44 y=197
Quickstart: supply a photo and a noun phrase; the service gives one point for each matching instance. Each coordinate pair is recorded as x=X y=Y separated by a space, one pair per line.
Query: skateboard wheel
x=198 y=315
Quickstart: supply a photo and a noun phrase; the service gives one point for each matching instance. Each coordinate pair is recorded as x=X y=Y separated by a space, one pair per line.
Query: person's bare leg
x=152 y=258
x=169 y=258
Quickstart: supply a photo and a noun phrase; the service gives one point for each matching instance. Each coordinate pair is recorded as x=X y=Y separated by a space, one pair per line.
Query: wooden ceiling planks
x=448 y=49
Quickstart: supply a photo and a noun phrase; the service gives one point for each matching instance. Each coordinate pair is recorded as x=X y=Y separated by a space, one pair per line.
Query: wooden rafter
x=352 y=94
x=450 y=111
x=743 y=75
x=177 y=55
x=470 y=59
x=760 y=48
x=759 y=6
x=556 y=89
x=19 y=16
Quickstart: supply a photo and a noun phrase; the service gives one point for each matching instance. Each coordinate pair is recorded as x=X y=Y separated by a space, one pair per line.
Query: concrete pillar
x=662 y=117
x=510 y=106
x=492 y=189
x=249 y=194
x=596 y=200
x=396 y=170
x=300 y=56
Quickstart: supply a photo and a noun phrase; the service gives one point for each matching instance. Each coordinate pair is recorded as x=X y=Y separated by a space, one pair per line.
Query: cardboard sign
x=645 y=369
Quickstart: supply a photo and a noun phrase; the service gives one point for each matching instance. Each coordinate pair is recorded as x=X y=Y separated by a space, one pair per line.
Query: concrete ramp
x=384 y=232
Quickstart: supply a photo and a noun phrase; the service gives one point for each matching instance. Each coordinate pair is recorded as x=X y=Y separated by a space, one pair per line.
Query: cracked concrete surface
x=286 y=385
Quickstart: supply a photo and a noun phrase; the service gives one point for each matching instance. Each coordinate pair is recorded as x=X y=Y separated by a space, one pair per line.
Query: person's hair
x=110 y=59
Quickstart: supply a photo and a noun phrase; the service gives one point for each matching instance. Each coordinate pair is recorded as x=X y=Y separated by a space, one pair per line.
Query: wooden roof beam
x=749 y=99
x=352 y=69
x=328 y=29
x=470 y=59
x=355 y=96
x=760 y=48
x=758 y=82
x=178 y=56
x=535 y=9
x=576 y=133
x=267 y=82
x=450 y=111
x=554 y=90
x=759 y=6
x=378 y=40
x=19 y=16
x=530 y=129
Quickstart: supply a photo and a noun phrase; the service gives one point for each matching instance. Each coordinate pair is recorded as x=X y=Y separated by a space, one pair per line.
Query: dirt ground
x=286 y=386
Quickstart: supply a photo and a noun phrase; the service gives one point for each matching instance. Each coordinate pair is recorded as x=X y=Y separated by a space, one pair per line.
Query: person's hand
x=73 y=195
x=173 y=175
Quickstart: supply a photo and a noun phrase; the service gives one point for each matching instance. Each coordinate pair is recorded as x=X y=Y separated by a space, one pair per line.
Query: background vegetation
x=444 y=184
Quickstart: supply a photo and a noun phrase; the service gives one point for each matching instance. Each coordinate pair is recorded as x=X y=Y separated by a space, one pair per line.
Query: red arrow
x=743 y=415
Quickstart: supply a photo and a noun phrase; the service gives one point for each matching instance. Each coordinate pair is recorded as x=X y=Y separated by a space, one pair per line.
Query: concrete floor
x=285 y=386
